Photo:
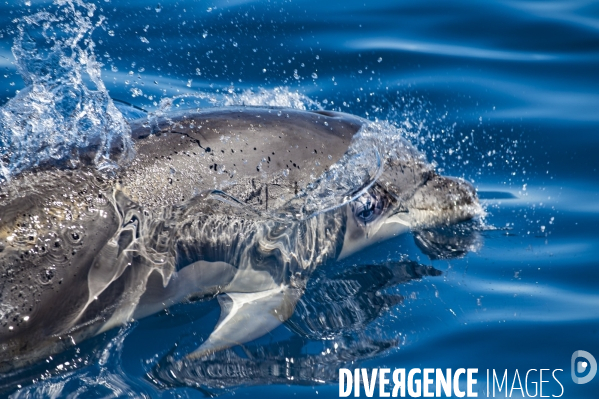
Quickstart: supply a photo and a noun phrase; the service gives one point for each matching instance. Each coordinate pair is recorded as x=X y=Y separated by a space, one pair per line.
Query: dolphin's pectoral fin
x=247 y=316
x=201 y=278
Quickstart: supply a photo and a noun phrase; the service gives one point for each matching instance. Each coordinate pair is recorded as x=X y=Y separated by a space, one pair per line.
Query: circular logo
x=579 y=367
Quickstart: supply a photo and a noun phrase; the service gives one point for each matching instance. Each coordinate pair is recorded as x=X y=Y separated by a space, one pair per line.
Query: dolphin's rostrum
x=240 y=203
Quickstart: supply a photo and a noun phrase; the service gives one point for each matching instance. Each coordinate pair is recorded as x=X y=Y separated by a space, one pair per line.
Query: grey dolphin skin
x=213 y=205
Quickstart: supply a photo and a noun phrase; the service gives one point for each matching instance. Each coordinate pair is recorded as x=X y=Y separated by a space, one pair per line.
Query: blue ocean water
x=502 y=93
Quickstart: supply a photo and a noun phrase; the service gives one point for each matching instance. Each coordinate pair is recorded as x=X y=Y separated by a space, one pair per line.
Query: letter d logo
x=582 y=366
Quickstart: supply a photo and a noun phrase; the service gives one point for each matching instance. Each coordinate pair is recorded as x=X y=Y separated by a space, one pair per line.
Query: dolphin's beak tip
x=445 y=200
x=467 y=203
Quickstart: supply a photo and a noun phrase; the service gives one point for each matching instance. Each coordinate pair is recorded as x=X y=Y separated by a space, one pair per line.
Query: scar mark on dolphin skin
x=266 y=186
x=193 y=140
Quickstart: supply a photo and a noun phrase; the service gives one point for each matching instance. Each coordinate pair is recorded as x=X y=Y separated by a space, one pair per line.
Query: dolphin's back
x=260 y=156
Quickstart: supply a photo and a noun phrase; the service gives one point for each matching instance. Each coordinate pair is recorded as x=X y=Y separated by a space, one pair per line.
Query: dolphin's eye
x=367 y=212
x=368 y=207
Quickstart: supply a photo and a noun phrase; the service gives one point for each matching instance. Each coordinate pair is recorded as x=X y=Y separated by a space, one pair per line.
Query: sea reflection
x=330 y=331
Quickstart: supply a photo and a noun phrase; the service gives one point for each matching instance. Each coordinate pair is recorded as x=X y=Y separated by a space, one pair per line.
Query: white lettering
x=456 y=383
x=411 y=383
x=541 y=384
x=420 y=382
x=382 y=382
x=426 y=381
x=369 y=386
x=496 y=381
x=443 y=382
x=344 y=389
x=399 y=383
x=526 y=384
x=519 y=384
x=471 y=382
x=560 y=384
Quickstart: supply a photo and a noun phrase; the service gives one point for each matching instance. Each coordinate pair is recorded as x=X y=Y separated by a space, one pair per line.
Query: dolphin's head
x=385 y=211
x=268 y=157
x=442 y=201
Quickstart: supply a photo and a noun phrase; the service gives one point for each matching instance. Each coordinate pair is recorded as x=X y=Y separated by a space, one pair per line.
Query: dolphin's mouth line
x=428 y=206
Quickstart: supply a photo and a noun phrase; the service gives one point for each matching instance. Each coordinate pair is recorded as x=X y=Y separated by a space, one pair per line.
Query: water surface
x=502 y=93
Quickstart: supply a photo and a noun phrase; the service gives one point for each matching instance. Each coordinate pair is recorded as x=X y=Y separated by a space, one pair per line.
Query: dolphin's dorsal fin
x=247 y=316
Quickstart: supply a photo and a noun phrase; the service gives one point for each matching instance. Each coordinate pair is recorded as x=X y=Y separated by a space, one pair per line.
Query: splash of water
x=344 y=181
x=277 y=97
x=64 y=116
x=89 y=375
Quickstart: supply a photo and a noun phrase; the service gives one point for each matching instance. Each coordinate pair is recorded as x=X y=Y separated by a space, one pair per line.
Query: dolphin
x=237 y=203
